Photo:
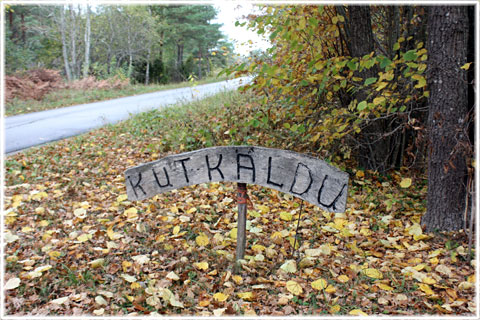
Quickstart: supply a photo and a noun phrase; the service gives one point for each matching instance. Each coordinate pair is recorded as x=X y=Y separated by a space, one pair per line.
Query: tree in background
x=144 y=43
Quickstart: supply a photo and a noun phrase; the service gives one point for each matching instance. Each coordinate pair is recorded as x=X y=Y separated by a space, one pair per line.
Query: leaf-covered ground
x=75 y=245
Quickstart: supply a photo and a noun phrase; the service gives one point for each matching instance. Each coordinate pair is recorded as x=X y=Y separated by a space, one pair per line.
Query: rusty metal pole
x=242 y=198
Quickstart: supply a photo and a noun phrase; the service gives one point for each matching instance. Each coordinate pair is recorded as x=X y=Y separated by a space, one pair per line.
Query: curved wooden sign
x=302 y=176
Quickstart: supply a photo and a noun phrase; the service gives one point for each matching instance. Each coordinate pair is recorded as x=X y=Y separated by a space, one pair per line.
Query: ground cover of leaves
x=75 y=245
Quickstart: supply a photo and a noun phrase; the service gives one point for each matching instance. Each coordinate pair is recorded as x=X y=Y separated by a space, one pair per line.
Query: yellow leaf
x=122 y=197
x=84 y=237
x=27 y=229
x=334 y=309
x=286 y=216
x=406 y=182
x=294 y=288
x=233 y=233
x=220 y=297
x=39 y=196
x=258 y=248
x=384 y=287
x=176 y=230
x=319 y=284
x=429 y=280
x=289 y=266
x=112 y=234
x=97 y=263
x=357 y=312
x=202 y=240
x=43 y=223
x=360 y=174
x=373 y=273
x=464 y=285
x=201 y=265
x=248 y=296
x=135 y=285
x=126 y=265
x=237 y=279
x=54 y=254
x=426 y=288
x=415 y=230
x=466 y=66
x=131 y=213
x=343 y=278
x=204 y=303
x=378 y=100
x=330 y=289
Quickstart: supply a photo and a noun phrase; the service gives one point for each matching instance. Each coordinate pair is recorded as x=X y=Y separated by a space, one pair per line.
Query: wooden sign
x=302 y=176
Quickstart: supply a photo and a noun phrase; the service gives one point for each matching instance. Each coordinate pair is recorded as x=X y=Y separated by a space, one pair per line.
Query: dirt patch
x=92 y=83
x=34 y=84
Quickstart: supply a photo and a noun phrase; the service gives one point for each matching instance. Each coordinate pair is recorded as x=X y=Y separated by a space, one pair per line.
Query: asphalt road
x=27 y=130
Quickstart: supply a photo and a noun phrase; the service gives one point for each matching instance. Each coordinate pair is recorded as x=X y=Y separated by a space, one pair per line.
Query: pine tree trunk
x=64 y=44
x=86 y=65
x=447 y=30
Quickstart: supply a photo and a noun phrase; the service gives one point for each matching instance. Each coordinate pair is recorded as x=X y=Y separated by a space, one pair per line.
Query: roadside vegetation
x=75 y=245
x=74 y=95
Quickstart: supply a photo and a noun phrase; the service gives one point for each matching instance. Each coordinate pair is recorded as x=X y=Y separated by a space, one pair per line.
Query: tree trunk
x=64 y=45
x=199 y=64
x=447 y=30
x=374 y=149
x=179 y=61
x=73 y=47
x=87 y=44
x=147 y=70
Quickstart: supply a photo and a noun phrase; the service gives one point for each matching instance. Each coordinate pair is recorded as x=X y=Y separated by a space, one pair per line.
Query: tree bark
x=447 y=30
x=73 y=47
x=64 y=45
x=87 y=44
x=373 y=149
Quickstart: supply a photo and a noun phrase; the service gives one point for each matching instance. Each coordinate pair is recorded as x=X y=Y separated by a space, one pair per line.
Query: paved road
x=24 y=131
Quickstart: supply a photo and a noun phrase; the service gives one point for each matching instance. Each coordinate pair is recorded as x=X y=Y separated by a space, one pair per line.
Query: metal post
x=242 y=198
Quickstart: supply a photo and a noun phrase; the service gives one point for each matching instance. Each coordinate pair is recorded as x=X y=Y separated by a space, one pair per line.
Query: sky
x=228 y=13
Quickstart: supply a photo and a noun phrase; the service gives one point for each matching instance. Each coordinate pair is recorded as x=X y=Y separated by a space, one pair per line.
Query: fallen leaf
x=201 y=265
x=319 y=284
x=128 y=278
x=220 y=297
x=406 y=182
x=97 y=263
x=60 y=300
x=141 y=259
x=101 y=301
x=373 y=273
x=286 y=216
x=357 y=312
x=343 y=278
x=248 y=296
x=12 y=284
x=172 y=276
x=202 y=240
x=294 y=288
x=289 y=266
x=219 y=312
